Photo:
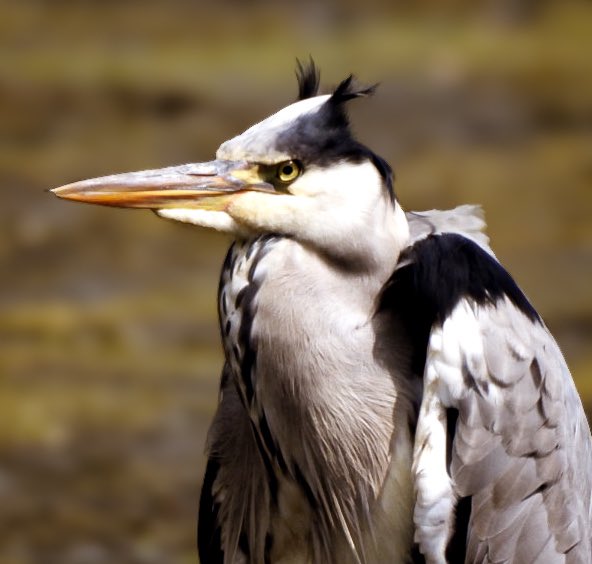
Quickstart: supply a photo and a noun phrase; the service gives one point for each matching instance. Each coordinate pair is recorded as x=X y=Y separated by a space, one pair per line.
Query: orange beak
x=197 y=185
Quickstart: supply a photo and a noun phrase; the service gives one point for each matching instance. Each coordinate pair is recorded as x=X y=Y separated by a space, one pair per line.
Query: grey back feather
x=466 y=220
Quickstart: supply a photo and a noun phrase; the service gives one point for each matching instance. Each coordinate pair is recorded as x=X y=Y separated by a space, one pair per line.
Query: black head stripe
x=385 y=171
x=324 y=137
x=309 y=79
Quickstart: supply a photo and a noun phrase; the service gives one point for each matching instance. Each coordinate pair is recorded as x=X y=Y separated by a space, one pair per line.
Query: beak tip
x=72 y=191
x=59 y=191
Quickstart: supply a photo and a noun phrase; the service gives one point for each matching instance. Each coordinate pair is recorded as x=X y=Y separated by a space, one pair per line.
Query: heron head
x=298 y=173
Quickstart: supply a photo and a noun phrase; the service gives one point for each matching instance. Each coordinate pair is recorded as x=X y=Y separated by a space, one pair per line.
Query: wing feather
x=521 y=447
x=234 y=524
x=519 y=453
x=209 y=533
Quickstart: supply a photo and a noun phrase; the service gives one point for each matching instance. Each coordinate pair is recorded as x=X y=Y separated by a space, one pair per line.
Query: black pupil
x=288 y=170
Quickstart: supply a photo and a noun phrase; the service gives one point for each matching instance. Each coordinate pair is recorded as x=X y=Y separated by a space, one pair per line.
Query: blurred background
x=109 y=354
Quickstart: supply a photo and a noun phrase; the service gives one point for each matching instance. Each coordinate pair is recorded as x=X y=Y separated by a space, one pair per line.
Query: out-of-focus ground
x=109 y=354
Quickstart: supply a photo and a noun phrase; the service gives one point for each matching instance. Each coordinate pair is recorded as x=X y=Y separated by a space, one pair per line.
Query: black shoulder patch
x=209 y=541
x=446 y=268
x=440 y=271
x=309 y=79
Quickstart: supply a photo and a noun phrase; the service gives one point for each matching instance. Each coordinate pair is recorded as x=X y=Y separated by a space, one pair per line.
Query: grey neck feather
x=300 y=393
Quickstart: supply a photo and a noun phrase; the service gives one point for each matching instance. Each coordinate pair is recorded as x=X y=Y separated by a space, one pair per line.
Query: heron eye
x=288 y=171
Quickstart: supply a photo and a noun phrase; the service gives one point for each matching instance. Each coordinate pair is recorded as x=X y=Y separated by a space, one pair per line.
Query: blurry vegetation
x=109 y=352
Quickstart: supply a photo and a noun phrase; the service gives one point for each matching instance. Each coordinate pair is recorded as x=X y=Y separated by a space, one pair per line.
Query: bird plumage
x=501 y=426
x=389 y=394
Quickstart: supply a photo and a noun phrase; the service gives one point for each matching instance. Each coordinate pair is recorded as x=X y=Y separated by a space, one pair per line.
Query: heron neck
x=300 y=337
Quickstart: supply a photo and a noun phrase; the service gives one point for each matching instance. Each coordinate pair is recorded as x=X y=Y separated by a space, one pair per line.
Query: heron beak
x=198 y=185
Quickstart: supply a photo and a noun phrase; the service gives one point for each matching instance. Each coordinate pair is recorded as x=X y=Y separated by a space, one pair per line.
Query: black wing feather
x=209 y=541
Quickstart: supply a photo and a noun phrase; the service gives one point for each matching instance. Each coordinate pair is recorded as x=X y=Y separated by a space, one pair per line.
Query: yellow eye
x=288 y=171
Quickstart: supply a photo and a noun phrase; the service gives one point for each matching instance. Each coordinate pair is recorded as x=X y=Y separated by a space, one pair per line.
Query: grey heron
x=389 y=394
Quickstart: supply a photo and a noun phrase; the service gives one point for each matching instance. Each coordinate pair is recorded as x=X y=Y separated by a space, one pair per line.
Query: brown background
x=109 y=353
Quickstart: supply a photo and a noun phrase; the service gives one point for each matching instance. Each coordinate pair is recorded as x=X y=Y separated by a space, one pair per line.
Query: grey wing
x=518 y=453
x=463 y=220
x=234 y=513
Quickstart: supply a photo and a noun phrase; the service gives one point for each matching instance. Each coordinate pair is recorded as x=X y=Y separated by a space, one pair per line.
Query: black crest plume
x=309 y=79
x=346 y=90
